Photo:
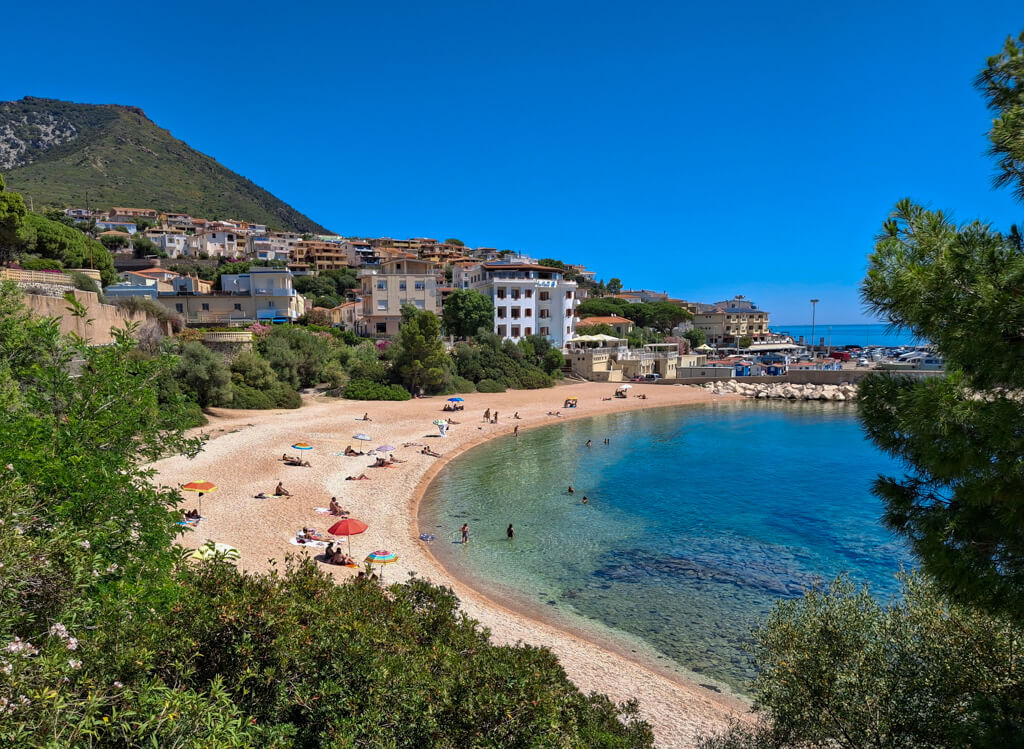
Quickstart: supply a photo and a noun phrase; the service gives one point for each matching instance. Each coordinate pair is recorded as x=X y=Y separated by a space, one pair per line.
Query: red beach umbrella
x=348 y=527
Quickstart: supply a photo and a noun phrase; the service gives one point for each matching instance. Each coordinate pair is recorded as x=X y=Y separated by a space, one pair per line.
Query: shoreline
x=243 y=460
x=617 y=642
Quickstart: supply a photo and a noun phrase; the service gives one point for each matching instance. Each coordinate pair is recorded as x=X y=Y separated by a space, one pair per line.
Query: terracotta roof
x=113 y=233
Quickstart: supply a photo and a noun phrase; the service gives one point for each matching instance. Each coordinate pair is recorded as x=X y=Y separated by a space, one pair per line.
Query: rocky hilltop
x=65 y=154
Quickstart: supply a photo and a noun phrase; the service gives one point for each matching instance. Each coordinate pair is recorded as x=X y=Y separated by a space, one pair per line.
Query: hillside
x=56 y=151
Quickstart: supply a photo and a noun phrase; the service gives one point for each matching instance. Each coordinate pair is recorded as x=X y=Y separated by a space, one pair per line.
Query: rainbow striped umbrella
x=302 y=446
x=382 y=557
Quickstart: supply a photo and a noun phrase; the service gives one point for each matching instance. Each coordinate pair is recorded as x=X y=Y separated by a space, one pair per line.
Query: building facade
x=385 y=290
x=529 y=299
x=726 y=323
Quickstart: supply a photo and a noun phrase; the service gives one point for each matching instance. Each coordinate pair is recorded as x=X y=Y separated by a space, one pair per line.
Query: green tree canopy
x=837 y=669
x=960 y=287
x=419 y=358
x=204 y=374
x=614 y=286
x=456 y=242
x=12 y=214
x=56 y=241
x=466 y=311
x=696 y=337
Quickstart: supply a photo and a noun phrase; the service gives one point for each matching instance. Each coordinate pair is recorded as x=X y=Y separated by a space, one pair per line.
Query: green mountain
x=64 y=154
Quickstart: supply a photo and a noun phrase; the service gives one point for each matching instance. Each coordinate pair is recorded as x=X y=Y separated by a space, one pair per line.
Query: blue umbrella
x=361 y=436
x=455 y=400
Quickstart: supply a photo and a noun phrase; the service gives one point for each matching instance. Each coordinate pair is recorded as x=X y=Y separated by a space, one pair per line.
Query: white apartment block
x=529 y=299
x=215 y=243
x=174 y=243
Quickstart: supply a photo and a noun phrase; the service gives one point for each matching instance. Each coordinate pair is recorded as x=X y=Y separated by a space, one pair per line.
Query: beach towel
x=312 y=544
x=322 y=510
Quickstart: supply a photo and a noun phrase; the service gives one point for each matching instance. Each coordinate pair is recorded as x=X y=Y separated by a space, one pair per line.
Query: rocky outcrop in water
x=785 y=390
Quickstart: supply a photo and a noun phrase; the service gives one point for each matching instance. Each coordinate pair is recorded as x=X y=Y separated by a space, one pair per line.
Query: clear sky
x=704 y=149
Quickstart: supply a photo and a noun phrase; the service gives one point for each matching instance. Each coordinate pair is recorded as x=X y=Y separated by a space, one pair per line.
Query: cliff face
x=65 y=154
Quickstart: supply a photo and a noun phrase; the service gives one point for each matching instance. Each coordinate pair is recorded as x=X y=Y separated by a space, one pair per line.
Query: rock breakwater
x=785 y=390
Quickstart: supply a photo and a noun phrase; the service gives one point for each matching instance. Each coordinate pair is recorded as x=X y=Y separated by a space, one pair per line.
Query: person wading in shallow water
x=511 y=533
x=465 y=533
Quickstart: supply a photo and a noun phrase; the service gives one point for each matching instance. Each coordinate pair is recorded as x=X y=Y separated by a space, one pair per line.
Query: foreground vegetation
x=110 y=639
x=939 y=668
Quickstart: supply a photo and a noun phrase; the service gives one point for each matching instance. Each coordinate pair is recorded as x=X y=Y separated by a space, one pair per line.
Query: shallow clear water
x=699 y=518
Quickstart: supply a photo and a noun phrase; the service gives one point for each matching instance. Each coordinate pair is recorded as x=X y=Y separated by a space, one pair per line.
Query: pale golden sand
x=244 y=459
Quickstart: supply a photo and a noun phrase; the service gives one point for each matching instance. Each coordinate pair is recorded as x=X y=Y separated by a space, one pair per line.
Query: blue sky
x=708 y=150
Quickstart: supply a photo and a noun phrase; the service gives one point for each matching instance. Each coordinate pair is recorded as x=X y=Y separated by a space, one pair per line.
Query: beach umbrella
x=439 y=422
x=348 y=527
x=211 y=549
x=455 y=400
x=361 y=436
x=625 y=387
x=302 y=446
x=382 y=556
x=386 y=449
x=200 y=487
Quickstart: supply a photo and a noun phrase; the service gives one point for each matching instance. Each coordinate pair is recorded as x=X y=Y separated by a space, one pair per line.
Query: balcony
x=274 y=292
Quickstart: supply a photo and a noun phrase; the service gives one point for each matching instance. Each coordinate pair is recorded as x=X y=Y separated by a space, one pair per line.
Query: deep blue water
x=699 y=519
x=851 y=335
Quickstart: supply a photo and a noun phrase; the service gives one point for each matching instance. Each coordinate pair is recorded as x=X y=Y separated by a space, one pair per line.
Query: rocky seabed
x=785 y=390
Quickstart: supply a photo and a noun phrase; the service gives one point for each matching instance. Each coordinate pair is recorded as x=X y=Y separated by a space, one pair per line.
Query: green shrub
x=461 y=385
x=490 y=386
x=367 y=390
x=534 y=379
x=40 y=263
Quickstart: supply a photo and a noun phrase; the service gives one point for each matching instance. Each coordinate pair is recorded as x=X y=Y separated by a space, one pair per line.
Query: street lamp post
x=814 y=305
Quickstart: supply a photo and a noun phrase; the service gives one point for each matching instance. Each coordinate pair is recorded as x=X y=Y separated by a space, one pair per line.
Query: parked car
x=652 y=377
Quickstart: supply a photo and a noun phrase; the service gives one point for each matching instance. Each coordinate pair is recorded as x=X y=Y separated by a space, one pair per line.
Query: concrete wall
x=103 y=316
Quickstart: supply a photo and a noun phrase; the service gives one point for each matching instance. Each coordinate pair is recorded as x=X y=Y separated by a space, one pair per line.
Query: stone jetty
x=785 y=390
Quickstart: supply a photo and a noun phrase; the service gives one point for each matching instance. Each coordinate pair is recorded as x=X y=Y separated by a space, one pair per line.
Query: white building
x=215 y=243
x=529 y=299
x=173 y=242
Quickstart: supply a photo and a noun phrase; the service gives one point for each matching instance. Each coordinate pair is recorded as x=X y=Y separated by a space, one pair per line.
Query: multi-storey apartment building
x=529 y=299
x=215 y=243
x=387 y=289
x=261 y=294
x=172 y=241
x=726 y=322
x=321 y=255
x=133 y=214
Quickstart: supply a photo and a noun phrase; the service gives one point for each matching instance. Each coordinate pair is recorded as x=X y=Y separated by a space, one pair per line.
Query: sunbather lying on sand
x=351 y=453
x=298 y=462
x=427 y=451
x=360 y=477
x=412 y=444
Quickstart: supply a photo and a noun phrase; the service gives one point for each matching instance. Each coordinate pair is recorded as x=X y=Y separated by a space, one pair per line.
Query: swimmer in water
x=585 y=500
x=571 y=490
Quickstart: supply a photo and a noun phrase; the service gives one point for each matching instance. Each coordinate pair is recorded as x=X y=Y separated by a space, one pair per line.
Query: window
x=545 y=331
x=382 y=327
x=515 y=293
x=568 y=312
x=501 y=293
x=179 y=307
x=568 y=329
x=421 y=285
x=568 y=295
x=401 y=285
x=516 y=313
x=382 y=304
x=529 y=293
x=529 y=331
x=544 y=314
x=501 y=330
x=238 y=307
x=515 y=331
x=529 y=312
x=419 y=303
x=502 y=313
x=382 y=285
x=206 y=307
x=544 y=296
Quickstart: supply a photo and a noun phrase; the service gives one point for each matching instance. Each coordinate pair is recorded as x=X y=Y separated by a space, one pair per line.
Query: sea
x=698 y=520
x=865 y=334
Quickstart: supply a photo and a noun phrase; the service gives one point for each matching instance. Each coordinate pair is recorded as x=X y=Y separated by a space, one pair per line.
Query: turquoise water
x=851 y=335
x=699 y=518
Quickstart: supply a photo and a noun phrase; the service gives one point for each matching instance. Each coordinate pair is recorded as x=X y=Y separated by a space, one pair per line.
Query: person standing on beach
x=495 y=419
x=510 y=532
x=516 y=431
x=465 y=533
x=487 y=415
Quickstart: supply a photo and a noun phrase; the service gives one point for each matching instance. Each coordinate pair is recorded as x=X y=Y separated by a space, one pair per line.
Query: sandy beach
x=243 y=459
